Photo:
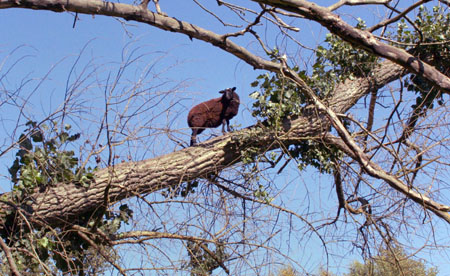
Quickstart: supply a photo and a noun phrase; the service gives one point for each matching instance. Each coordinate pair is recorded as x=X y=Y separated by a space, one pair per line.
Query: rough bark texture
x=65 y=202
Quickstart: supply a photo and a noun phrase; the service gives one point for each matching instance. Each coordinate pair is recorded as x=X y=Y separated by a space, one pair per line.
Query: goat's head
x=228 y=93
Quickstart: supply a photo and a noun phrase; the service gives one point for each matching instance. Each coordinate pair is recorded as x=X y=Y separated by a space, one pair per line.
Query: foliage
x=391 y=262
x=318 y=155
x=42 y=162
x=339 y=61
x=429 y=41
x=278 y=98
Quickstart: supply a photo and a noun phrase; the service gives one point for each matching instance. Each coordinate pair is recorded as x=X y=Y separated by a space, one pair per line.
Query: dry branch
x=362 y=39
x=9 y=258
x=322 y=15
x=356 y=3
x=62 y=203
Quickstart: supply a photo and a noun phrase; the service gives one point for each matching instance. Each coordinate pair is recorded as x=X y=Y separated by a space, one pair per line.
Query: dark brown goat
x=213 y=113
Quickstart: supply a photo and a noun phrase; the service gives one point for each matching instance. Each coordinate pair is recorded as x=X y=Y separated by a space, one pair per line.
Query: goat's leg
x=224 y=121
x=228 y=125
x=194 y=136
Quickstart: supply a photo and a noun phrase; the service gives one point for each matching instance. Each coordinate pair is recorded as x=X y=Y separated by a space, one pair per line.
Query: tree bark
x=322 y=15
x=65 y=202
x=61 y=204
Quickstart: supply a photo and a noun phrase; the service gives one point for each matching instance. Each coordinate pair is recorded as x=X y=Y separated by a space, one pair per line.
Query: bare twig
x=357 y=2
x=400 y=15
x=282 y=23
x=215 y=15
x=446 y=2
x=144 y=4
x=81 y=231
x=248 y=28
x=9 y=257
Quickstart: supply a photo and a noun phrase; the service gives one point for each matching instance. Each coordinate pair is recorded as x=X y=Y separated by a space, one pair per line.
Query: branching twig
x=282 y=23
x=214 y=15
x=9 y=257
x=248 y=28
x=400 y=15
x=357 y=2
x=144 y=4
x=82 y=233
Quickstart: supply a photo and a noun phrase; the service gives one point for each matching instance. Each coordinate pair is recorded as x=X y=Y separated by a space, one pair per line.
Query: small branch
x=363 y=39
x=357 y=2
x=371 y=115
x=75 y=20
x=140 y=236
x=446 y=2
x=419 y=159
x=248 y=28
x=284 y=165
x=9 y=257
x=260 y=41
x=412 y=44
x=282 y=23
x=158 y=8
x=81 y=232
x=144 y=4
x=400 y=15
x=374 y=170
x=218 y=261
x=214 y=15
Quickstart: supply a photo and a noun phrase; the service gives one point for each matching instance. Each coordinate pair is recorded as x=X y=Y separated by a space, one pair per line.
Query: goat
x=213 y=113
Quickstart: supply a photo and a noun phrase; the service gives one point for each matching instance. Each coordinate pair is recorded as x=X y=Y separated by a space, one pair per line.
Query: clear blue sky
x=48 y=39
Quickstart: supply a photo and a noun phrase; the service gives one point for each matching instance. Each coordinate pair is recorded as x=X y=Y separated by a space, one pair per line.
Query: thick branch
x=62 y=203
x=362 y=39
x=322 y=15
x=137 y=13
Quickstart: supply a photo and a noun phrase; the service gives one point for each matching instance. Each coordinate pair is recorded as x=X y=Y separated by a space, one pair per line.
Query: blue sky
x=48 y=39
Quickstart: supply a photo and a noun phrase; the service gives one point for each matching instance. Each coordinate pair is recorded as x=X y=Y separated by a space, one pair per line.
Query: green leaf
x=43 y=242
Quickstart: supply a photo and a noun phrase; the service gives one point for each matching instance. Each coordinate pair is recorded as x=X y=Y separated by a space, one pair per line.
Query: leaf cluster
x=430 y=40
x=277 y=97
x=318 y=155
x=339 y=60
x=45 y=159
x=42 y=162
x=181 y=190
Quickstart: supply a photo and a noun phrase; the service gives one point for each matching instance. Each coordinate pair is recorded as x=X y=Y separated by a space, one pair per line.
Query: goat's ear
x=222 y=91
x=233 y=89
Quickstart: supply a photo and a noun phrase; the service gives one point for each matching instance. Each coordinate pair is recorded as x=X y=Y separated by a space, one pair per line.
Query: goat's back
x=206 y=114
